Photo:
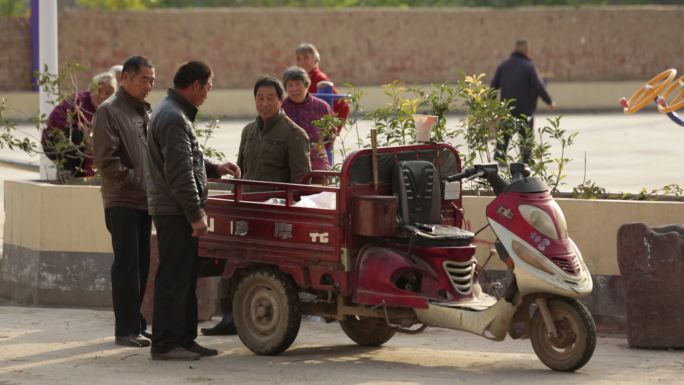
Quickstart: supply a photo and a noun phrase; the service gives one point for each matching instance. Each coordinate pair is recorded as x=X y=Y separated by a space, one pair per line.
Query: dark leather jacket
x=177 y=171
x=518 y=79
x=119 y=146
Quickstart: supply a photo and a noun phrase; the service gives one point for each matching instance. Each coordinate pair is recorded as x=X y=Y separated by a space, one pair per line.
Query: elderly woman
x=303 y=109
x=308 y=58
x=65 y=138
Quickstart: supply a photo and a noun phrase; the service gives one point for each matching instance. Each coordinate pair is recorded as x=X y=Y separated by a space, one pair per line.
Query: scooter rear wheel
x=367 y=331
x=575 y=341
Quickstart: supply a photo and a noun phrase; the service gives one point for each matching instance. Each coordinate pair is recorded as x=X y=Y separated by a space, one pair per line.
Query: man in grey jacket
x=177 y=191
x=119 y=146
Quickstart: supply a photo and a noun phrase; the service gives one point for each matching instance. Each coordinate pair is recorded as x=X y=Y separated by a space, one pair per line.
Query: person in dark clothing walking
x=119 y=131
x=517 y=79
x=177 y=191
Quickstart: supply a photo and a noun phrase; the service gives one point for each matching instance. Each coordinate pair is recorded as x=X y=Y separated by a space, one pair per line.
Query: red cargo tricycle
x=383 y=251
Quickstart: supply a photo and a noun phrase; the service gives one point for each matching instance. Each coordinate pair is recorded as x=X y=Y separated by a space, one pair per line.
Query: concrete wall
x=593 y=225
x=239 y=103
x=365 y=46
x=56 y=249
x=15 y=61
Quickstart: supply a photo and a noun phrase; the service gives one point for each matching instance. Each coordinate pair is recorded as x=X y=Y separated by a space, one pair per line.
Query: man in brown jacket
x=119 y=146
x=273 y=148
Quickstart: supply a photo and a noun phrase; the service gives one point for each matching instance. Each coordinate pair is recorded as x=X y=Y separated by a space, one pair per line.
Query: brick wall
x=375 y=46
x=15 y=54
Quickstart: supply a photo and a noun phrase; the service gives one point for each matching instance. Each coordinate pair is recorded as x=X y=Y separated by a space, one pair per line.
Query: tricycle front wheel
x=575 y=340
x=367 y=331
x=266 y=312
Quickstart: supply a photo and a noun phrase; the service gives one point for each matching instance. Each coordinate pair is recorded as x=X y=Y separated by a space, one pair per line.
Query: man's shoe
x=220 y=329
x=134 y=340
x=146 y=334
x=176 y=354
x=201 y=350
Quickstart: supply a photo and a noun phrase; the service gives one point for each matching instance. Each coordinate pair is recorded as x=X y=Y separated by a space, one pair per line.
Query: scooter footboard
x=492 y=323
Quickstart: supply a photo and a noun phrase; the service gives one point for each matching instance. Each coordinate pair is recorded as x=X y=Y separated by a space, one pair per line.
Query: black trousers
x=226 y=293
x=130 y=231
x=526 y=133
x=175 y=301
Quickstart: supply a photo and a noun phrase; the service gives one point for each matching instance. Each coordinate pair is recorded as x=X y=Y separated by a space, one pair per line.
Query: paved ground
x=65 y=346
x=623 y=153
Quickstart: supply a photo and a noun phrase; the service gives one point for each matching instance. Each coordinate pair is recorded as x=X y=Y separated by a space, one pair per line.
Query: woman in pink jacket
x=304 y=108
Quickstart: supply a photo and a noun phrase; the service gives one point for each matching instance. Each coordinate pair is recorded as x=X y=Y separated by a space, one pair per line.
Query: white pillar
x=47 y=55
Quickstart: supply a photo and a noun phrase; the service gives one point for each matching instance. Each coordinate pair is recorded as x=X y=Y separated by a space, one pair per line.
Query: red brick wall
x=15 y=55
x=376 y=46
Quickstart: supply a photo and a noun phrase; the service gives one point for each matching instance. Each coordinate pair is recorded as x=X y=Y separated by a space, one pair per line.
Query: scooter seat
x=422 y=234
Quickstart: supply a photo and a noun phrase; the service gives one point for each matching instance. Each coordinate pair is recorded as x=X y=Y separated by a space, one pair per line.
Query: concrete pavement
x=624 y=153
x=70 y=346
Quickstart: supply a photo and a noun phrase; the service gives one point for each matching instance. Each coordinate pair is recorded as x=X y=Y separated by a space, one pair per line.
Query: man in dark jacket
x=517 y=79
x=177 y=191
x=119 y=146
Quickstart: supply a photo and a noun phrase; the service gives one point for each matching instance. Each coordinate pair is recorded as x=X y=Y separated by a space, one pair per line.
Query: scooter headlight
x=560 y=218
x=539 y=219
x=530 y=257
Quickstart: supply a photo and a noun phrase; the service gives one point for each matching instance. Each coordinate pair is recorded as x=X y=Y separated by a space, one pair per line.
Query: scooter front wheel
x=575 y=339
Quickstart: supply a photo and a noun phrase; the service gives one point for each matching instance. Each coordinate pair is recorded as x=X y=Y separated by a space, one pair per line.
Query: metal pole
x=374 y=157
x=35 y=66
x=47 y=47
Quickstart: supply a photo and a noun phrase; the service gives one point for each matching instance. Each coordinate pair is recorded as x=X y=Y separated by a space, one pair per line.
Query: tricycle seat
x=417 y=186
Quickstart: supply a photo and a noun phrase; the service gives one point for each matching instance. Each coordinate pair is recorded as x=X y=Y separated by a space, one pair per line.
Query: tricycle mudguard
x=394 y=277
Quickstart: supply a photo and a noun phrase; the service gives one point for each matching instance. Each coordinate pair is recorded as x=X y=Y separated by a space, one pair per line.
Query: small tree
x=394 y=123
x=486 y=122
x=60 y=88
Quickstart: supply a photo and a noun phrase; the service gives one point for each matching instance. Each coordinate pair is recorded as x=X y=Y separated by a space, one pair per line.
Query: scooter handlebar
x=468 y=173
x=487 y=171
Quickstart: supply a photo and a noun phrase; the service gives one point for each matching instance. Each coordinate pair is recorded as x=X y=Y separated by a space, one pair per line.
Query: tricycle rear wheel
x=575 y=341
x=367 y=331
x=266 y=312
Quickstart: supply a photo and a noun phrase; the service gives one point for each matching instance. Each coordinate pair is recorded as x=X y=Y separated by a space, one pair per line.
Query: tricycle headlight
x=539 y=219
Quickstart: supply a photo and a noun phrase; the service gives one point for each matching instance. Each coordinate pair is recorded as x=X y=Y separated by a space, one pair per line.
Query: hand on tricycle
x=230 y=169
x=199 y=227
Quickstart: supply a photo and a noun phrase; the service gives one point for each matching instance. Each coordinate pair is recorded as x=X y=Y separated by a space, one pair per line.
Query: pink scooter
x=545 y=271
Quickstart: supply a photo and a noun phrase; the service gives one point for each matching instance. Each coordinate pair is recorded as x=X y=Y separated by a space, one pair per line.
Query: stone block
x=651 y=261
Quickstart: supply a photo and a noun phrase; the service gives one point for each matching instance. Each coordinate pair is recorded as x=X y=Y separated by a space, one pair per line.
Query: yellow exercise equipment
x=677 y=102
x=648 y=92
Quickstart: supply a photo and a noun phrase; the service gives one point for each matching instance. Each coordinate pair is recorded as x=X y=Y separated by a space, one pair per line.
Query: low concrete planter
x=593 y=225
x=57 y=251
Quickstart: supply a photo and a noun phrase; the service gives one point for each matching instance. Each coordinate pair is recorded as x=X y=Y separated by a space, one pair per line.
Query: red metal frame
x=316 y=246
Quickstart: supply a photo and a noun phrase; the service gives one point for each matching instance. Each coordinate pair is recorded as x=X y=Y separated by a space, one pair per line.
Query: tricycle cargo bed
x=307 y=231
x=267 y=226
